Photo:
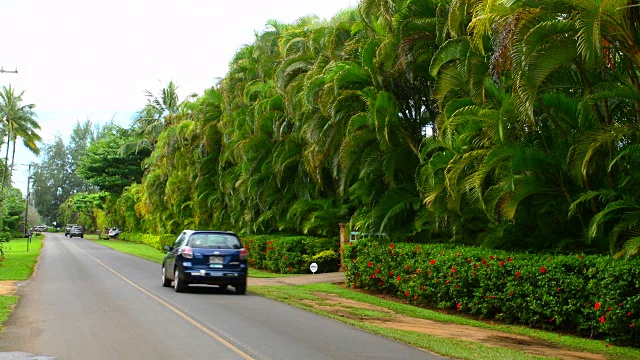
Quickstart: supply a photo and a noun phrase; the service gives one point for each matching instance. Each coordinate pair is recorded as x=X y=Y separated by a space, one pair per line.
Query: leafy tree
x=108 y=169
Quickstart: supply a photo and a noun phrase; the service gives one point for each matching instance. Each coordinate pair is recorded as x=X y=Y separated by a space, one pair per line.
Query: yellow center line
x=172 y=308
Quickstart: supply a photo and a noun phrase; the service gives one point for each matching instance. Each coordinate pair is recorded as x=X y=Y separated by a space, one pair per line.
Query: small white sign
x=313 y=267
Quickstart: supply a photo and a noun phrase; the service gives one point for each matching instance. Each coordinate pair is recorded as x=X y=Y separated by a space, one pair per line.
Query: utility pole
x=2 y=70
x=26 y=212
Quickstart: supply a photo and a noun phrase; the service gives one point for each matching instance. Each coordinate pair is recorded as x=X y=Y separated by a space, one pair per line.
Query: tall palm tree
x=160 y=112
x=18 y=122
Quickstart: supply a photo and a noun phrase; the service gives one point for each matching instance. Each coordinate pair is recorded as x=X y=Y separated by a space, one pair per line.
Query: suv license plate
x=215 y=259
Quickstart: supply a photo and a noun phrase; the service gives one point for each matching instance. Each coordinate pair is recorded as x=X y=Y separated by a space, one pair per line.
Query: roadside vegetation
x=18 y=264
x=307 y=297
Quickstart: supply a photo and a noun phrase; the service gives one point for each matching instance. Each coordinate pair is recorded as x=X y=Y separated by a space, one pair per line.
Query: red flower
x=290 y=269
x=369 y=264
x=268 y=248
x=493 y=296
x=422 y=287
x=597 y=306
x=468 y=261
x=602 y=319
x=390 y=272
x=342 y=250
x=415 y=297
x=417 y=271
x=629 y=313
x=284 y=257
x=558 y=289
x=407 y=267
x=391 y=245
x=492 y=257
x=543 y=269
x=509 y=259
x=398 y=278
x=456 y=286
x=264 y=252
x=630 y=326
x=609 y=309
x=475 y=265
x=580 y=257
x=432 y=262
x=268 y=242
x=517 y=274
x=377 y=271
x=458 y=306
x=406 y=293
x=453 y=269
x=373 y=276
x=380 y=283
x=428 y=272
x=511 y=293
x=620 y=304
x=501 y=262
x=446 y=282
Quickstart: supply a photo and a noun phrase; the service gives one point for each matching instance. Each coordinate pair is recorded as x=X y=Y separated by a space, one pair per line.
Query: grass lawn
x=448 y=347
x=18 y=264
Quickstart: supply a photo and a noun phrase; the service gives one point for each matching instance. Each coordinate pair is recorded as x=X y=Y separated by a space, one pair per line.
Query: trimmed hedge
x=155 y=241
x=292 y=254
x=592 y=296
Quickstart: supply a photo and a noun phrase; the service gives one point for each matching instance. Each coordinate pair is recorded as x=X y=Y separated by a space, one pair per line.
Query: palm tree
x=160 y=112
x=18 y=121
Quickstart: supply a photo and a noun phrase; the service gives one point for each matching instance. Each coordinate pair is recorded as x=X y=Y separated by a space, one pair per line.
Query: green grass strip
x=6 y=306
x=18 y=263
x=135 y=249
x=293 y=294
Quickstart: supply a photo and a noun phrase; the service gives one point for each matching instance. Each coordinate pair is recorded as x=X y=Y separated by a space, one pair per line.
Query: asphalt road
x=86 y=301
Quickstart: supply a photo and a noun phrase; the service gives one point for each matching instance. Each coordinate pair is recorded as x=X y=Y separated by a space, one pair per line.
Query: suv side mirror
x=167 y=248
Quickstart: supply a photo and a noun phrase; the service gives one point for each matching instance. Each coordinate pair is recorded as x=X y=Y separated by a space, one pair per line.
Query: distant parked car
x=68 y=229
x=41 y=228
x=76 y=231
x=114 y=232
x=206 y=257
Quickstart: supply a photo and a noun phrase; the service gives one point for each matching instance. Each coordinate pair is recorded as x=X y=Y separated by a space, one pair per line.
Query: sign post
x=313 y=267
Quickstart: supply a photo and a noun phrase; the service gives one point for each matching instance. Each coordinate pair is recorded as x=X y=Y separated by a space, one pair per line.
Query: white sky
x=84 y=59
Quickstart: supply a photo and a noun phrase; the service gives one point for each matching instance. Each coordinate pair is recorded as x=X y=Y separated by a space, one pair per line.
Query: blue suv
x=205 y=257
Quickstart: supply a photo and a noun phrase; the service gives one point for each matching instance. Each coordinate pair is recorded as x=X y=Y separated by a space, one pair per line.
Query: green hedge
x=155 y=241
x=593 y=296
x=292 y=254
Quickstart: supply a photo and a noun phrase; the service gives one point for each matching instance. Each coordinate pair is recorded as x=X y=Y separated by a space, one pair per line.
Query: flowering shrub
x=291 y=254
x=589 y=295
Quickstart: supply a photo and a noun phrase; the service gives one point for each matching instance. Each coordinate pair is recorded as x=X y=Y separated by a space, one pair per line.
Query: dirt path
x=342 y=307
x=8 y=288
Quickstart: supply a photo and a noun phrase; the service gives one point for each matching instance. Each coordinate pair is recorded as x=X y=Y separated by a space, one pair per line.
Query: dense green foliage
x=586 y=295
x=155 y=241
x=504 y=124
x=56 y=178
x=106 y=167
x=292 y=254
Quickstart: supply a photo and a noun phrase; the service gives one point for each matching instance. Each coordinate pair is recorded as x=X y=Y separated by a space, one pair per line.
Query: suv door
x=170 y=259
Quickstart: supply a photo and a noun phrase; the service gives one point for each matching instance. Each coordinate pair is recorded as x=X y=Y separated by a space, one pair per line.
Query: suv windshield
x=214 y=241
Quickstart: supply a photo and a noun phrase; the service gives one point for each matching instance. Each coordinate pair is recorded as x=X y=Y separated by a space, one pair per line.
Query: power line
x=2 y=70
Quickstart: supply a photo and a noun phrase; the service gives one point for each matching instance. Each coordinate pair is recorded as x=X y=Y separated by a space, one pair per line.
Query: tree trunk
x=6 y=160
